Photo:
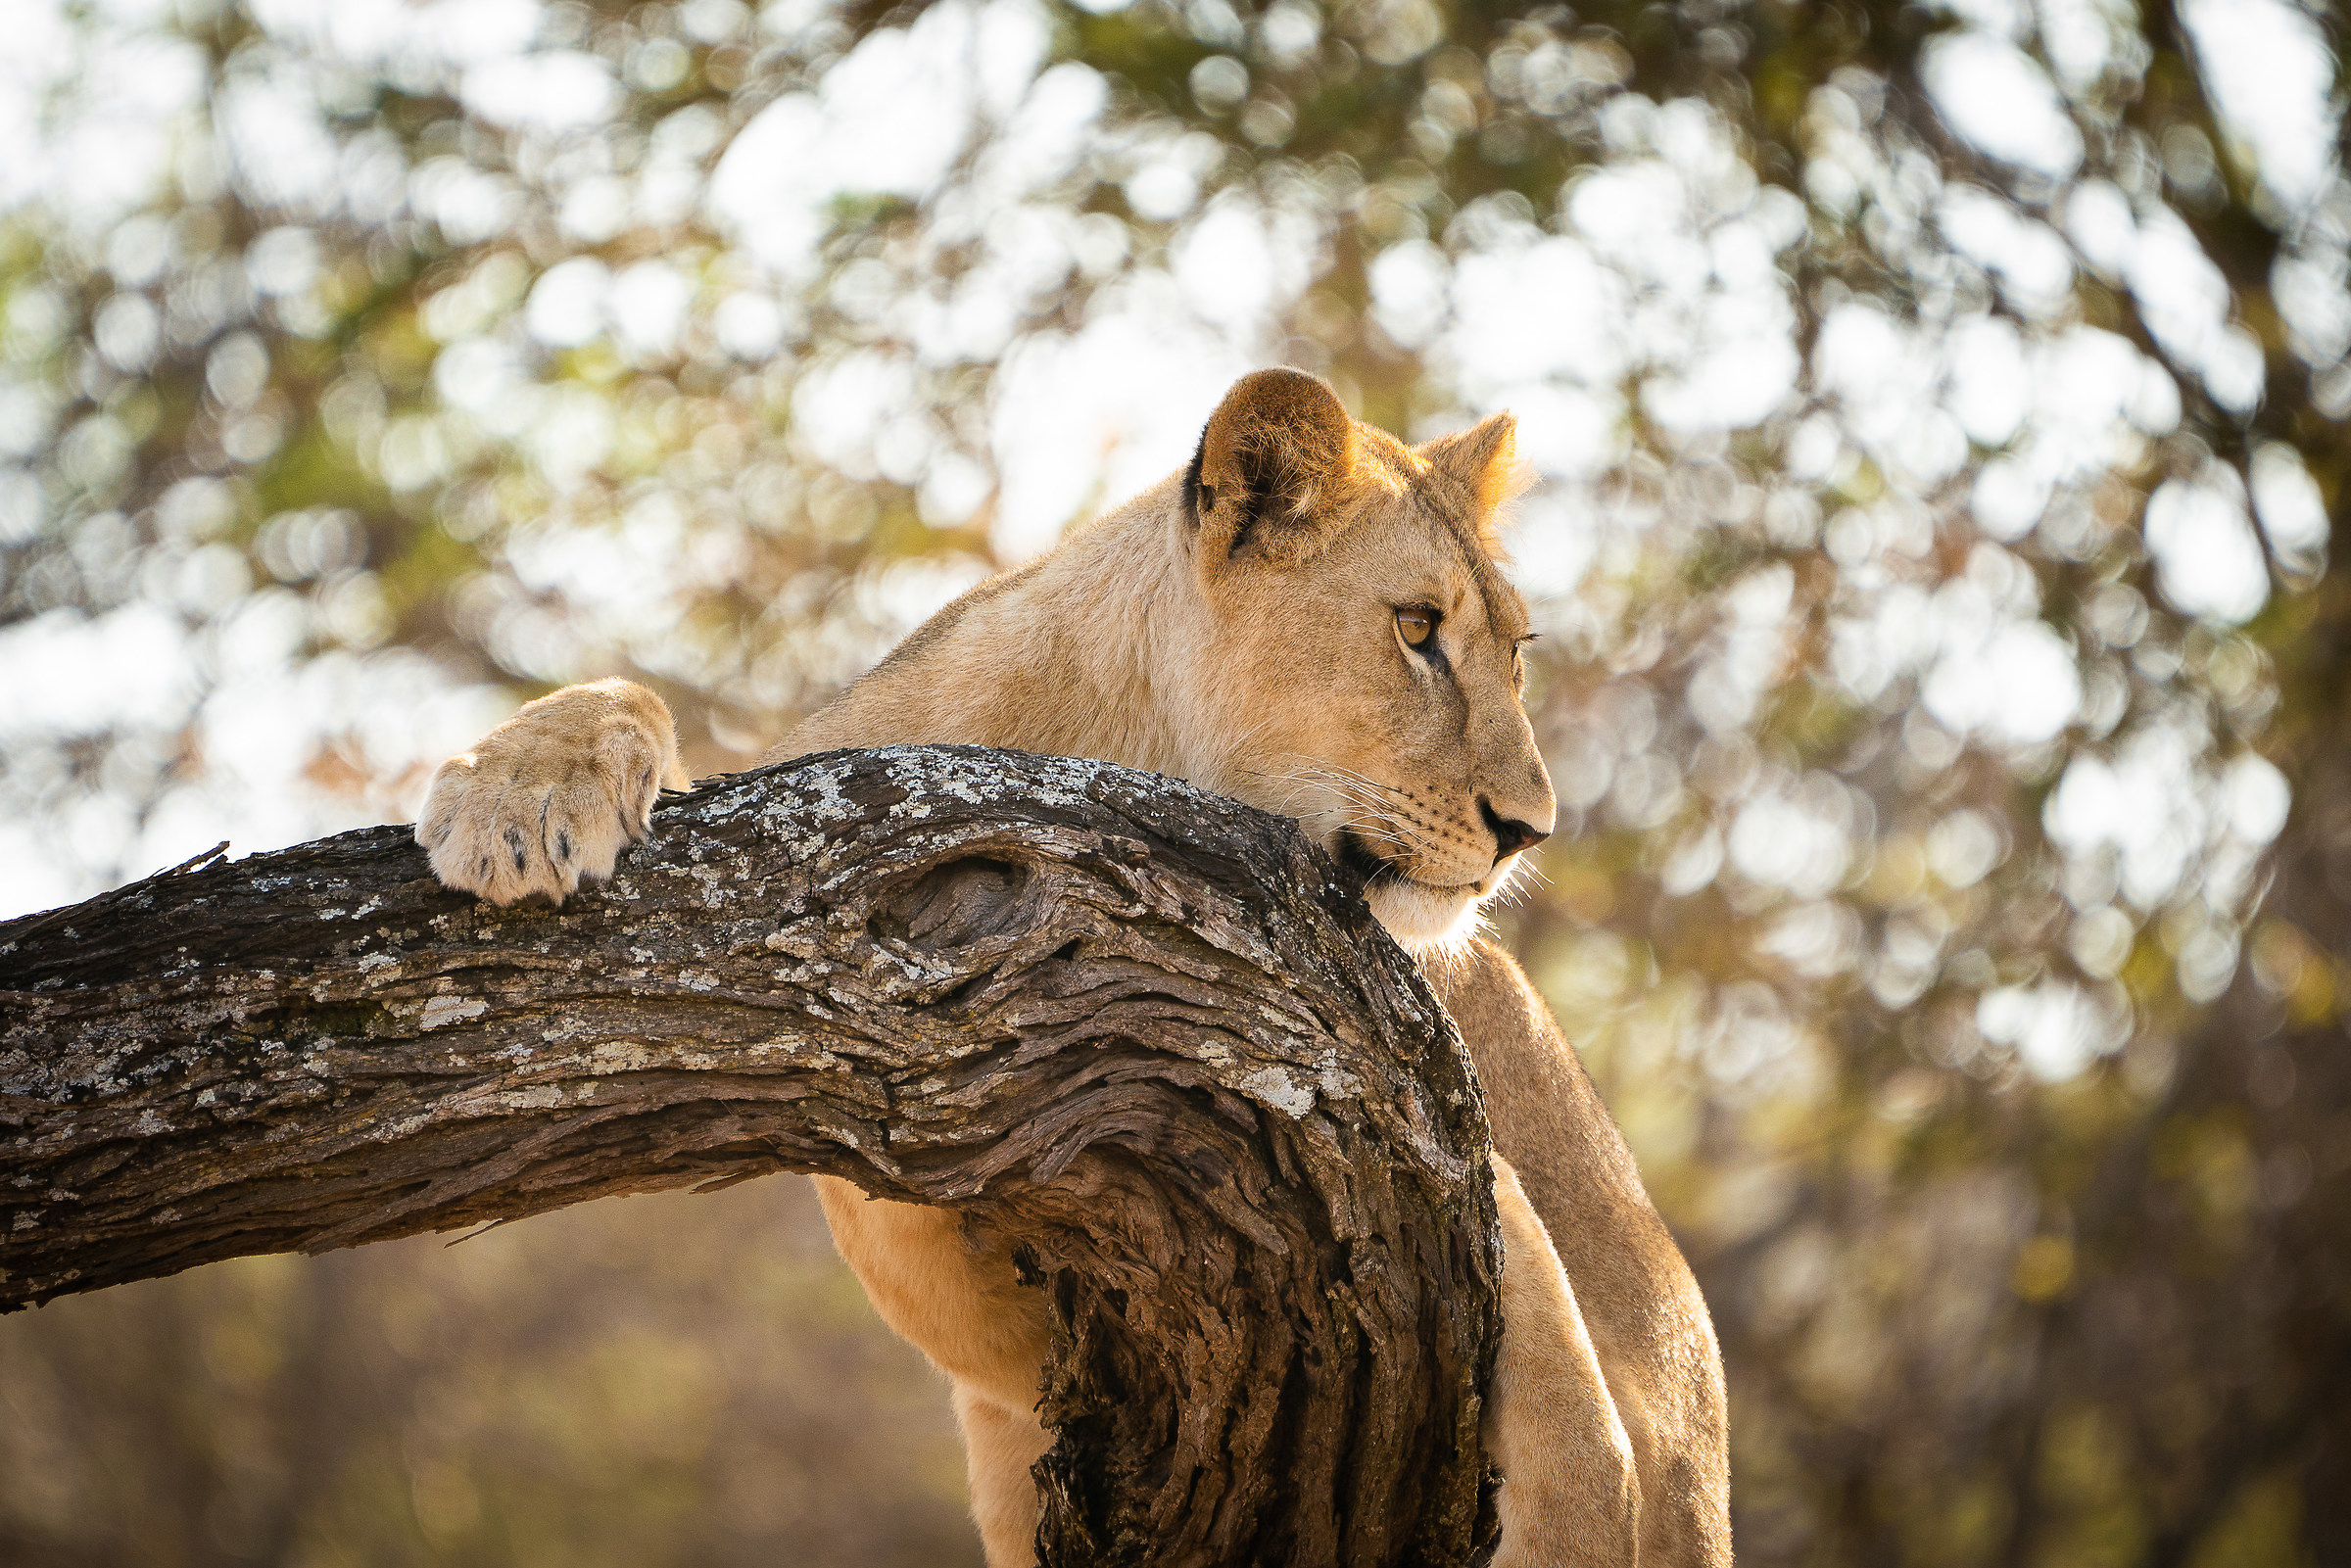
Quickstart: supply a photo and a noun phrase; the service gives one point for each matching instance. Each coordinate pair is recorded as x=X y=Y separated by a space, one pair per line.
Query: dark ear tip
x=1291 y=396
x=1300 y=405
x=1283 y=380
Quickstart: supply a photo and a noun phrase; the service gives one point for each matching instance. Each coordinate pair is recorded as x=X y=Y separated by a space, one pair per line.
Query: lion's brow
x=1450 y=506
x=1494 y=593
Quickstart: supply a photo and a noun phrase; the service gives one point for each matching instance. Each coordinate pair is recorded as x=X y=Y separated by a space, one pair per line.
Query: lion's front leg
x=549 y=797
x=1000 y=1448
x=1571 y=1492
x=959 y=1301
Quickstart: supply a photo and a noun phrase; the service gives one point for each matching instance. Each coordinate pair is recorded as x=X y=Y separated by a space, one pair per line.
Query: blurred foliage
x=655 y=1381
x=1940 y=420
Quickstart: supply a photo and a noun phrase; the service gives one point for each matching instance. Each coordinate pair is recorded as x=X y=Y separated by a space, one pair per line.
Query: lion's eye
x=1416 y=625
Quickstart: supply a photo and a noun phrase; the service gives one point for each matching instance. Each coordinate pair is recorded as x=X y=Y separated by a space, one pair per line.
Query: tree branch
x=1148 y=1035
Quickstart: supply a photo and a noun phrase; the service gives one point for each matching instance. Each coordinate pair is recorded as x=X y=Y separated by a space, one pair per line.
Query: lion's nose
x=1511 y=835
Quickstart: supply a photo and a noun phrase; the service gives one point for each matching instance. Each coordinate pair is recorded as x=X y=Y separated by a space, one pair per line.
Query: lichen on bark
x=1151 y=1037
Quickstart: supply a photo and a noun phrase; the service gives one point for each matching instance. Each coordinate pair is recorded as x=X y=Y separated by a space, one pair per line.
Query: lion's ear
x=1269 y=460
x=1482 y=460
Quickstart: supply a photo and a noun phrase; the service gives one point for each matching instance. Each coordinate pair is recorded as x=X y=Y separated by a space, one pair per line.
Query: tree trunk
x=1147 y=1034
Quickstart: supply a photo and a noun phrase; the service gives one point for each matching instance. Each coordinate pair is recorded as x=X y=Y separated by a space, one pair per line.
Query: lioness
x=1310 y=618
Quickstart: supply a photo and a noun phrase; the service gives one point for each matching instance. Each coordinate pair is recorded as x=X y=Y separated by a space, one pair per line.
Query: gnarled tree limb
x=1149 y=1035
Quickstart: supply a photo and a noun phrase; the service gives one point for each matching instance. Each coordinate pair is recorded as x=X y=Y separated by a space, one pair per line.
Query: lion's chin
x=1426 y=921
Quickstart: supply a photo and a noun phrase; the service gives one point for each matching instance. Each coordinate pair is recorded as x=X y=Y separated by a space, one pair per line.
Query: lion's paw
x=549 y=798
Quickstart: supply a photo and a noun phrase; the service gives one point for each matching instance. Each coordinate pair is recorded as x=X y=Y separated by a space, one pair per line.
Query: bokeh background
x=1940 y=415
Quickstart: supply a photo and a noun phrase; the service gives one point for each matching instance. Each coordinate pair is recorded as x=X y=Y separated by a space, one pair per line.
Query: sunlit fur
x=1259 y=657
x=1236 y=625
x=1428 y=920
x=550 y=797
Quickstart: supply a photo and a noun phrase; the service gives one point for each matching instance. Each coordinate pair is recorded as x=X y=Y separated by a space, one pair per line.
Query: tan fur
x=1646 y=1320
x=1237 y=626
x=548 y=798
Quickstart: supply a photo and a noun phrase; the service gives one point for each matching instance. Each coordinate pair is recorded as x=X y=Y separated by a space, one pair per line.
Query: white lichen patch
x=401 y=1127
x=798 y=943
x=623 y=1056
x=821 y=801
x=914 y=967
x=446 y=1010
x=1415 y=1131
x=1070 y=781
x=713 y=881
x=1275 y=1088
x=1336 y=1083
x=957 y=784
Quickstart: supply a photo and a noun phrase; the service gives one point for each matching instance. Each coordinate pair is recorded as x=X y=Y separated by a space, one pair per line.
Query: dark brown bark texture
x=1148 y=1035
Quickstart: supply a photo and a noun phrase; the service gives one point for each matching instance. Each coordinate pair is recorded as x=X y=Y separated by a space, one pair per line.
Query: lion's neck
x=1082 y=653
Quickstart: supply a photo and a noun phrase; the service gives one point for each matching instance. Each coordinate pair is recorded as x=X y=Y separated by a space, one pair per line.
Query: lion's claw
x=549 y=798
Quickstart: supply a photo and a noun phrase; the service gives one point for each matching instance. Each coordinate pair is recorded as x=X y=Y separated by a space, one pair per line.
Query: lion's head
x=1364 y=672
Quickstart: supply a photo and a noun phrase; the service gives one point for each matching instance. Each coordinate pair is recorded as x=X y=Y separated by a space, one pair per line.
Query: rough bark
x=1150 y=1036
